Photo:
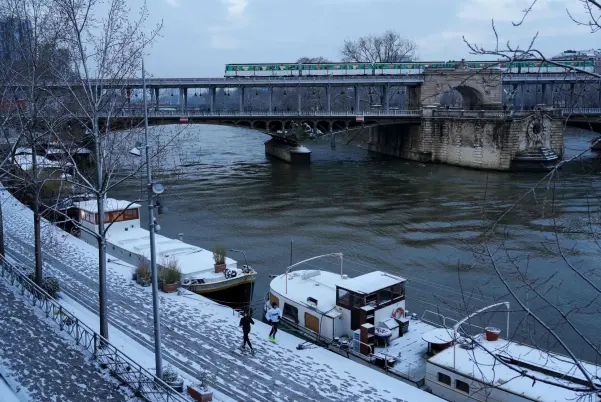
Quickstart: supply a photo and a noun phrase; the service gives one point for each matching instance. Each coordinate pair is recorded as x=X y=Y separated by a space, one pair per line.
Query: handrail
x=143 y=383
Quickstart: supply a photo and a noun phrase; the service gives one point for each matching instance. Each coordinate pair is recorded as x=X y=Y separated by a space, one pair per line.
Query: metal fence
x=139 y=112
x=144 y=384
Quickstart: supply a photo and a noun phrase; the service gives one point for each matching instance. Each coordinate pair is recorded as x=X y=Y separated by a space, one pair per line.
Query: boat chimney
x=181 y=236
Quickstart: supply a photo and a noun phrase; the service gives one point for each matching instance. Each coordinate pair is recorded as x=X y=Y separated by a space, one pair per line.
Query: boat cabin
x=123 y=215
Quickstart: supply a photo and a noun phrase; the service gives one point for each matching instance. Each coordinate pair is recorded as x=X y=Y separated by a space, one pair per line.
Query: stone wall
x=477 y=143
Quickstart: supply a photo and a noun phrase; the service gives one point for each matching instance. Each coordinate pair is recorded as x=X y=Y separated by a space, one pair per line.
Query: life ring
x=397 y=312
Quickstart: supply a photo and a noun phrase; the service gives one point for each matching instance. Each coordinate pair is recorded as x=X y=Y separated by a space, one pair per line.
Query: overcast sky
x=200 y=36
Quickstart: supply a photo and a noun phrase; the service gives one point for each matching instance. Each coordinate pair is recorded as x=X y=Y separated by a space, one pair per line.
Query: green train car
x=294 y=69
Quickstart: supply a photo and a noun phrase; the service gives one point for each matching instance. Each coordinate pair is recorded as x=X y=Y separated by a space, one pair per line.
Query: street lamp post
x=247 y=266
x=152 y=189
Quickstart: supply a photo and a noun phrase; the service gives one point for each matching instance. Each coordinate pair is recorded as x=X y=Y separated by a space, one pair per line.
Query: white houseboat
x=129 y=242
x=365 y=319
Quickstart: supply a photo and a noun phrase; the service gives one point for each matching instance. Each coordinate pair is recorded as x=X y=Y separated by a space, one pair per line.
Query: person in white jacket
x=273 y=316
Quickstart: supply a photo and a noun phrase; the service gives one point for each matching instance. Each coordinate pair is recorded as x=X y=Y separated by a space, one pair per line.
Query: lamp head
x=135 y=151
x=158 y=188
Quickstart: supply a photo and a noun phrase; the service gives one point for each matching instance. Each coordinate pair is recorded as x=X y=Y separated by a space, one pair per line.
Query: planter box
x=169 y=288
x=176 y=385
x=200 y=396
x=219 y=268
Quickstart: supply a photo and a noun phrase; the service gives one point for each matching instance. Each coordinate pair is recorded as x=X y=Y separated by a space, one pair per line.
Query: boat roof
x=371 y=282
x=110 y=205
x=321 y=286
x=480 y=364
x=191 y=259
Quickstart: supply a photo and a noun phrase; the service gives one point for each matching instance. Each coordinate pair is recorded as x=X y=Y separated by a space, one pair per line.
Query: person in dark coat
x=245 y=322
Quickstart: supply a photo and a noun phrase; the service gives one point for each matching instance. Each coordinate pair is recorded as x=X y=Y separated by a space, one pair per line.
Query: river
x=420 y=221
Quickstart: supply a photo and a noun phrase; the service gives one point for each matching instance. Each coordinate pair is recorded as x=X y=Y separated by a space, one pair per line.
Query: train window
x=462 y=386
x=443 y=378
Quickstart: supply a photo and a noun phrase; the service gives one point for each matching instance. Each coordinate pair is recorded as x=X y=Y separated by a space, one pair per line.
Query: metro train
x=296 y=69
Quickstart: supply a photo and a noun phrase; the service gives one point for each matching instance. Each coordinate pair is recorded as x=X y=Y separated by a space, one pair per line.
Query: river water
x=423 y=222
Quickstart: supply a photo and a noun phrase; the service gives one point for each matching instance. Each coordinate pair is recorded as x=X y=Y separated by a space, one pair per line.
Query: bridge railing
x=143 y=383
x=139 y=112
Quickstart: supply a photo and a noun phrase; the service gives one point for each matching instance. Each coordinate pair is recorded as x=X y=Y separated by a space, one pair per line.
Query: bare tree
x=105 y=45
x=390 y=47
x=538 y=293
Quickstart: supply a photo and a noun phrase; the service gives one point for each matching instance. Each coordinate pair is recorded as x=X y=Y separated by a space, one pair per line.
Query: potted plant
x=171 y=275
x=200 y=392
x=219 y=257
x=173 y=379
x=142 y=271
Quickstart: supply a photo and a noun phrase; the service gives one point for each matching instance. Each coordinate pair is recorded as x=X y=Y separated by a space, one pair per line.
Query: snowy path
x=39 y=363
x=198 y=334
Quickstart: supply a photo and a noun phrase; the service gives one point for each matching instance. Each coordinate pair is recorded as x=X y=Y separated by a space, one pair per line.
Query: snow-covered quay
x=40 y=365
x=198 y=334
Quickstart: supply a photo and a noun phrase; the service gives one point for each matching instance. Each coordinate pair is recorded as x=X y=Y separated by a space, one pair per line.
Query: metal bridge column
x=212 y=99
x=241 y=98
x=185 y=99
x=298 y=95
x=270 y=95
x=599 y=95
x=328 y=99
x=543 y=92
x=155 y=91
x=571 y=105
x=386 y=97
x=357 y=103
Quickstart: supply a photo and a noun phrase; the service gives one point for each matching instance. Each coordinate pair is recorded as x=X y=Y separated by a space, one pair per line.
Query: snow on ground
x=6 y=392
x=38 y=364
x=198 y=334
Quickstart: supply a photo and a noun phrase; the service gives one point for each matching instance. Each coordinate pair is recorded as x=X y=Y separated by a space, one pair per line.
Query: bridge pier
x=290 y=152
x=482 y=140
x=299 y=99
x=270 y=95
x=241 y=98
x=328 y=99
x=357 y=100
x=386 y=96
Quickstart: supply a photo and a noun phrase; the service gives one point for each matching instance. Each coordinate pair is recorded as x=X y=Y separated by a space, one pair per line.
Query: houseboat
x=365 y=319
x=226 y=284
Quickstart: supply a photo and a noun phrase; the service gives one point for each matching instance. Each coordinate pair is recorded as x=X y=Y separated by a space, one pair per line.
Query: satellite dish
x=158 y=188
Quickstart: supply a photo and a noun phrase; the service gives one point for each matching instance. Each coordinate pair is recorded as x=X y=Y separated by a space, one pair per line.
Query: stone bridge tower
x=480 y=88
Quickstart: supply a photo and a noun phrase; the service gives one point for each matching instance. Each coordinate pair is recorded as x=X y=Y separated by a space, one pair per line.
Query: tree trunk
x=104 y=328
x=39 y=275
x=1 y=232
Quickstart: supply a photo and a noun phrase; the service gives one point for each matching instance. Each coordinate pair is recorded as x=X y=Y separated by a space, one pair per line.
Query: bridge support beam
x=241 y=98
x=328 y=99
x=386 y=96
x=357 y=100
x=299 y=99
x=211 y=99
x=270 y=95
x=183 y=100
x=156 y=99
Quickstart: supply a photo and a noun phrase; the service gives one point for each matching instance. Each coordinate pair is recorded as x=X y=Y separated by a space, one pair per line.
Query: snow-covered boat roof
x=25 y=162
x=478 y=363
x=321 y=286
x=372 y=282
x=110 y=205
x=191 y=259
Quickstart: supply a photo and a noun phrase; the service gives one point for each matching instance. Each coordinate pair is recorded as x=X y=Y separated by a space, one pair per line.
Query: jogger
x=245 y=323
x=273 y=316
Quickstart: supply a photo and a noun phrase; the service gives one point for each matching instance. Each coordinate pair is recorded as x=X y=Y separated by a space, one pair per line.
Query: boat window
x=444 y=378
x=273 y=299
x=462 y=386
x=358 y=301
x=291 y=312
x=312 y=322
x=398 y=290
x=385 y=295
x=344 y=298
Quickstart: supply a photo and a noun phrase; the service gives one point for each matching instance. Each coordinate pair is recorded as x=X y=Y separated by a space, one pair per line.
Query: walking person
x=273 y=316
x=245 y=322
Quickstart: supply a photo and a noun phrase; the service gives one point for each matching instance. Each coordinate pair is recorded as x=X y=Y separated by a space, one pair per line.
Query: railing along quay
x=144 y=384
